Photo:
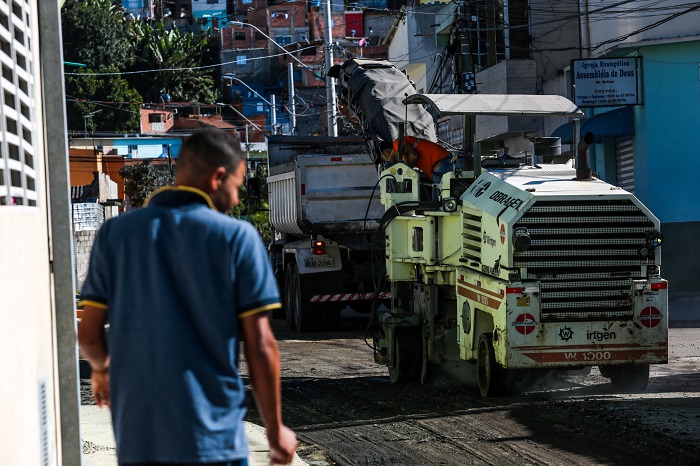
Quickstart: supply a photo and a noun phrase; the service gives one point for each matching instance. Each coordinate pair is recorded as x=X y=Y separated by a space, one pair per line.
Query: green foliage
x=120 y=106
x=255 y=211
x=98 y=34
x=260 y=218
x=179 y=58
x=95 y=33
x=141 y=179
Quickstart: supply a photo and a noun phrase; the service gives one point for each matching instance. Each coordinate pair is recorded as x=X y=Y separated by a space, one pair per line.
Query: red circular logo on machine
x=503 y=233
x=650 y=317
x=525 y=324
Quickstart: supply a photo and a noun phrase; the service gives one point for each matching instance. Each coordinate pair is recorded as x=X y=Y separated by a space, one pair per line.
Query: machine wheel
x=632 y=379
x=493 y=379
x=289 y=296
x=408 y=354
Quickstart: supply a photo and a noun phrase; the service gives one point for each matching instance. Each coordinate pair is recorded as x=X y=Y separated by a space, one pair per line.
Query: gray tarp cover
x=378 y=93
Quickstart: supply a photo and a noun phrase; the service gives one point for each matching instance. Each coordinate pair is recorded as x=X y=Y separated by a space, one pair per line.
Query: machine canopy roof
x=497 y=104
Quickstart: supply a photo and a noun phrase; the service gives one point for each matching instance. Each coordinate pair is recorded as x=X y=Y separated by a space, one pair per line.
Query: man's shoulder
x=226 y=223
x=128 y=219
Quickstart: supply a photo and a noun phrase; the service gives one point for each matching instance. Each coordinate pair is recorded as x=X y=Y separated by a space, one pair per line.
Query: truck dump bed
x=322 y=185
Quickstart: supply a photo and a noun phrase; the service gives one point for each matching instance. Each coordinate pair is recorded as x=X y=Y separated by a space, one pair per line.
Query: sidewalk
x=99 y=449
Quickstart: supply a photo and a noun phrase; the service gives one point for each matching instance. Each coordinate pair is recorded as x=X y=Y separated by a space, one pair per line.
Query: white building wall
x=29 y=427
x=398 y=47
x=622 y=28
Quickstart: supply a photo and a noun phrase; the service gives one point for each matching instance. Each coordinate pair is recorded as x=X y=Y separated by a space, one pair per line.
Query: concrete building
x=655 y=157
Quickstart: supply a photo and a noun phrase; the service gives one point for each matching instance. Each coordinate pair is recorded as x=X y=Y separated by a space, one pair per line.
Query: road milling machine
x=516 y=266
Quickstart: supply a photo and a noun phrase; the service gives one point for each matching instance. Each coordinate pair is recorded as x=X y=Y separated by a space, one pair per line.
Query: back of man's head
x=206 y=150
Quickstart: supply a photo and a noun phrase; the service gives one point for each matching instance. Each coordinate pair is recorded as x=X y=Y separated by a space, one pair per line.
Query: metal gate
x=624 y=160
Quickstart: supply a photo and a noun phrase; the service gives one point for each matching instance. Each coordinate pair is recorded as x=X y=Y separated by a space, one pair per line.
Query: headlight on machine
x=449 y=204
x=654 y=238
x=521 y=239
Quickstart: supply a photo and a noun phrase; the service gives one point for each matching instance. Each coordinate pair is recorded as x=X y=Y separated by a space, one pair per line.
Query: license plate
x=318 y=262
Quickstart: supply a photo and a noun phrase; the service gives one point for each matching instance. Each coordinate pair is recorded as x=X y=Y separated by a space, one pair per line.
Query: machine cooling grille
x=471 y=237
x=585 y=256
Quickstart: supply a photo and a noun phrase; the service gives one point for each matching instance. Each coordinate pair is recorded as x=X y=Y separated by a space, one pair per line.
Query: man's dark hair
x=208 y=149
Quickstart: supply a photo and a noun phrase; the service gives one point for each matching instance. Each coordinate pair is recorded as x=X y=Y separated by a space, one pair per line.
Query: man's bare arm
x=92 y=338
x=262 y=354
x=93 y=344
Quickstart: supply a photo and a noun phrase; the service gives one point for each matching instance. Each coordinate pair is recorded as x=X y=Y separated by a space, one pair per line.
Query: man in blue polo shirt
x=180 y=285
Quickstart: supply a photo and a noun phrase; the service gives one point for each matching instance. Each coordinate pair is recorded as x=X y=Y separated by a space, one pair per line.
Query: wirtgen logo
x=481 y=188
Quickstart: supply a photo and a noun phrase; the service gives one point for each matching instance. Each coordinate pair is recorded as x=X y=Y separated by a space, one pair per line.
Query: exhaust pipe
x=583 y=170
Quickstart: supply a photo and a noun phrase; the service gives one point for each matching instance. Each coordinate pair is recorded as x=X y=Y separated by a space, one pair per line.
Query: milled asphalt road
x=96 y=423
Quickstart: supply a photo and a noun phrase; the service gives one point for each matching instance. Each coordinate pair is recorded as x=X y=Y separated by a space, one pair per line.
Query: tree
x=255 y=209
x=96 y=33
x=178 y=57
x=117 y=105
x=141 y=179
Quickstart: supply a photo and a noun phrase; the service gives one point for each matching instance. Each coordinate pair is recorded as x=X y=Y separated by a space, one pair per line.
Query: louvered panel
x=582 y=208
x=587 y=241
x=599 y=277
x=554 y=219
x=611 y=293
x=568 y=253
x=471 y=244
x=583 y=231
x=471 y=235
x=583 y=305
x=585 y=284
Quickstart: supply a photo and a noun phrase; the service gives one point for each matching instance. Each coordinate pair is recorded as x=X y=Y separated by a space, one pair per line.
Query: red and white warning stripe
x=329 y=298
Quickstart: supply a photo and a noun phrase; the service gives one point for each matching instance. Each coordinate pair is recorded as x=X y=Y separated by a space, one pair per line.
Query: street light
x=241 y=115
x=273 y=110
x=238 y=23
x=330 y=86
x=232 y=77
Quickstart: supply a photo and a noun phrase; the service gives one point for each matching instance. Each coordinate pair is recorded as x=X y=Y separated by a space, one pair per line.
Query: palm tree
x=178 y=58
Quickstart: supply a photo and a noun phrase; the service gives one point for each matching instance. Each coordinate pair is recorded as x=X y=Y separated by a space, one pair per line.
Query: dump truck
x=324 y=208
x=516 y=266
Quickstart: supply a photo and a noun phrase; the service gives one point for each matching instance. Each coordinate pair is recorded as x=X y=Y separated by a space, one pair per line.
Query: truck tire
x=278 y=313
x=408 y=355
x=627 y=379
x=305 y=319
x=289 y=297
x=493 y=379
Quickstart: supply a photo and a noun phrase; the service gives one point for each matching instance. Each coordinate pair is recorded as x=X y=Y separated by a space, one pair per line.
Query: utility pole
x=292 y=106
x=273 y=114
x=330 y=83
x=247 y=146
x=467 y=81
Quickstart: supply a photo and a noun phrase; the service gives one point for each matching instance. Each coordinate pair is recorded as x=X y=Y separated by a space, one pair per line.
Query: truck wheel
x=289 y=297
x=408 y=353
x=494 y=380
x=306 y=320
x=278 y=313
x=630 y=379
